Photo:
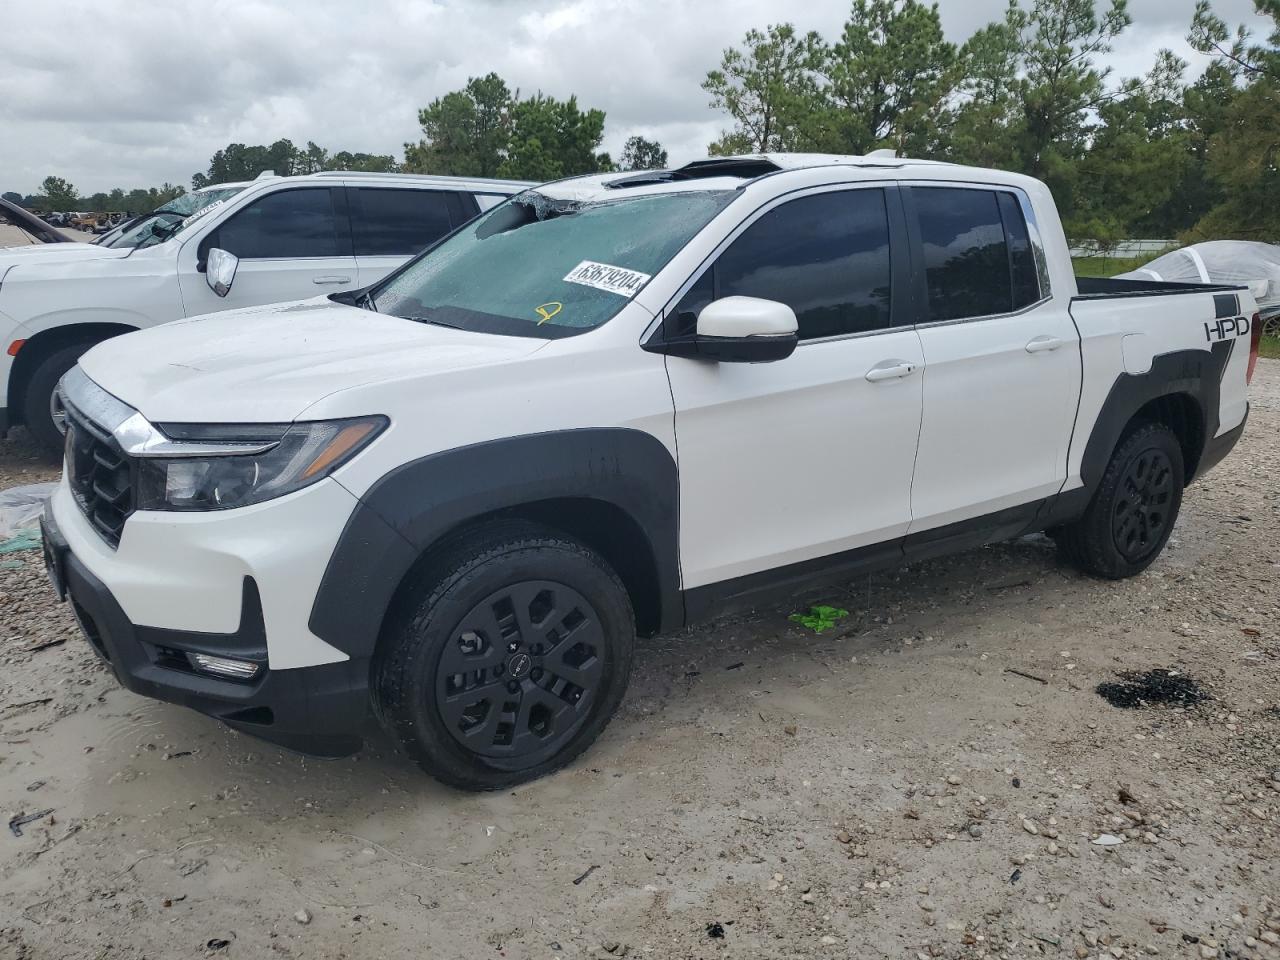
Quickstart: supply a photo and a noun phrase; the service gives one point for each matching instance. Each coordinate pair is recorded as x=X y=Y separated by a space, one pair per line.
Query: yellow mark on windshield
x=548 y=310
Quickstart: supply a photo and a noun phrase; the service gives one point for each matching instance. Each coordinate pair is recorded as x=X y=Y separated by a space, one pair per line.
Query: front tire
x=37 y=402
x=509 y=657
x=1132 y=514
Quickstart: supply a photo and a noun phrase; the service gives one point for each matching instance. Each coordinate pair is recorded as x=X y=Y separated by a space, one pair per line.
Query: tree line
x=1148 y=156
x=59 y=196
x=483 y=130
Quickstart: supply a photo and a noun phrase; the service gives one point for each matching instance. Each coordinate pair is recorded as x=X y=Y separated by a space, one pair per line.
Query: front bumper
x=320 y=710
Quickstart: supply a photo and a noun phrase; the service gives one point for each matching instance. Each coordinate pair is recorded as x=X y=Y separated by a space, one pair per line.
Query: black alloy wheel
x=1142 y=505
x=507 y=655
x=521 y=670
x=1132 y=512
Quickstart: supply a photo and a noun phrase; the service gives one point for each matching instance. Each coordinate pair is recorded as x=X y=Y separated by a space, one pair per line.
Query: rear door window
x=826 y=256
x=966 y=256
x=392 y=222
x=287 y=224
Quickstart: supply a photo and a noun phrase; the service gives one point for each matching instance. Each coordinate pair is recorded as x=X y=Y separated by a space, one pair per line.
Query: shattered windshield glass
x=163 y=222
x=540 y=266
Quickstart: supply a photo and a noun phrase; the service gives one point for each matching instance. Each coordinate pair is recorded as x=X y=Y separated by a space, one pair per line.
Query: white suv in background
x=294 y=237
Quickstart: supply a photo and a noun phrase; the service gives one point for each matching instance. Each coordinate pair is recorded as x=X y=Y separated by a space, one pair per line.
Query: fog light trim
x=224 y=666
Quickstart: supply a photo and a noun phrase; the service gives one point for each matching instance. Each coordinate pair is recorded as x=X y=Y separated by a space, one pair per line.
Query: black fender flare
x=1196 y=373
x=411 y=508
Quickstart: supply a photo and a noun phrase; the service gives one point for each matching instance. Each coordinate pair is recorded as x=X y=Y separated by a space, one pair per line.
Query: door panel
x=270 y=281
x=292 y=245
x=1002 y=359
x=788 y=461
x=997 y=418
x=812 y=455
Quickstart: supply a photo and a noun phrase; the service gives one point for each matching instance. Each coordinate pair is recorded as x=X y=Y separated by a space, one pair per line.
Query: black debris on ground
x=1134 y=690
x=715 y=931
x=20 y=820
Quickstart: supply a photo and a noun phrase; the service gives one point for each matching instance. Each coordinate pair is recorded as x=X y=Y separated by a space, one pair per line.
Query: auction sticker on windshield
x=602 y=276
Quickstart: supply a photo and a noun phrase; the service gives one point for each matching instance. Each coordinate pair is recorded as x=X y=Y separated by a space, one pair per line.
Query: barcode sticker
x=602 y=276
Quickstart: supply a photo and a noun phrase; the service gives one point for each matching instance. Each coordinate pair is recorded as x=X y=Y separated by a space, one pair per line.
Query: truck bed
x=1156 y=338
x=1104 y=288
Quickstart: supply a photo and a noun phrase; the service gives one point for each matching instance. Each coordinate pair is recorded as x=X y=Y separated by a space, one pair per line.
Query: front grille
x=100 y=475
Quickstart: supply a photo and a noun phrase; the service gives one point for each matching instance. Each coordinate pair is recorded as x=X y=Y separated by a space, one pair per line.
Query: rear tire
x=1132 y=514
x=37 y=413
x=508 y=658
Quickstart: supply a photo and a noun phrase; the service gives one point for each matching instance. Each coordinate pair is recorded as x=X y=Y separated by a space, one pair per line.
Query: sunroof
x=746 y=168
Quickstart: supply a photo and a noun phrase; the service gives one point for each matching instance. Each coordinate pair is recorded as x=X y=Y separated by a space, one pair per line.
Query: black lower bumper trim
x=320 y=710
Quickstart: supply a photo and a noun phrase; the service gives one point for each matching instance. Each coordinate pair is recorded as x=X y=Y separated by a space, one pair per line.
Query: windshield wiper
x=434 y=322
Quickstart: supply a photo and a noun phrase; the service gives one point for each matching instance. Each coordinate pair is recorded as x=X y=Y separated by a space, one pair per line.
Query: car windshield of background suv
x=165 y=221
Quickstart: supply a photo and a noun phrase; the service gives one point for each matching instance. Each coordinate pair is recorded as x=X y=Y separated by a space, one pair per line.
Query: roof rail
x=360 y=173
x=438 y=177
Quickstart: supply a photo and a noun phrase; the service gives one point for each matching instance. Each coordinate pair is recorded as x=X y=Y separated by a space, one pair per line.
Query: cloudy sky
x=119 y=93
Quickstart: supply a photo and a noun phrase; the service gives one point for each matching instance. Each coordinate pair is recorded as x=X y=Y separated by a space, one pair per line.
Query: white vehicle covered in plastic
x=1245 y=262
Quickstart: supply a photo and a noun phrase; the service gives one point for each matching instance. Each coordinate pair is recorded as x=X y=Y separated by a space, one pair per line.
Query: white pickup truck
x=294 y=236
x=617 y=404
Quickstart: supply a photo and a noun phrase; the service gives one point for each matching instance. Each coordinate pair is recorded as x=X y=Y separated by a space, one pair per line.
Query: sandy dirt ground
x=891 y=788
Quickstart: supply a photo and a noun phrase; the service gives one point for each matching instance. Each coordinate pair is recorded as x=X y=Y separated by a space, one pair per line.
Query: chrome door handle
x=890 y=370
x=1043 y=344
x=334 y=279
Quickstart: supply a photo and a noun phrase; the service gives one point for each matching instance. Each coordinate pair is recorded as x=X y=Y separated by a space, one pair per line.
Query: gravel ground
x=21 y=462
x=937 y=777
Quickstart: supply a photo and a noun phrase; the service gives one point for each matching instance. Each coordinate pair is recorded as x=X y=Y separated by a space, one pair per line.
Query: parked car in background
x=294 y=237
x=617 y=404
x=107 y=222
x=39 y=228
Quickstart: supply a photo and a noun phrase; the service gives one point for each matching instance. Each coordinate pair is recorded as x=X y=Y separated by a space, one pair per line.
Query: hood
x=50 y=253
x=269 y=364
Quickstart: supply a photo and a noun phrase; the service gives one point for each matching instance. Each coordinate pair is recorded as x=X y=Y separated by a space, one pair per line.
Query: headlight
x=283 y=458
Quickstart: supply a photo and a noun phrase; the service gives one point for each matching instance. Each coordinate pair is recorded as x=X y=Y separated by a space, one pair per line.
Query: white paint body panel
x=186 y=570
x=1116 y=334
x=213 y=371
x=788 y=461
x=997 y=419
